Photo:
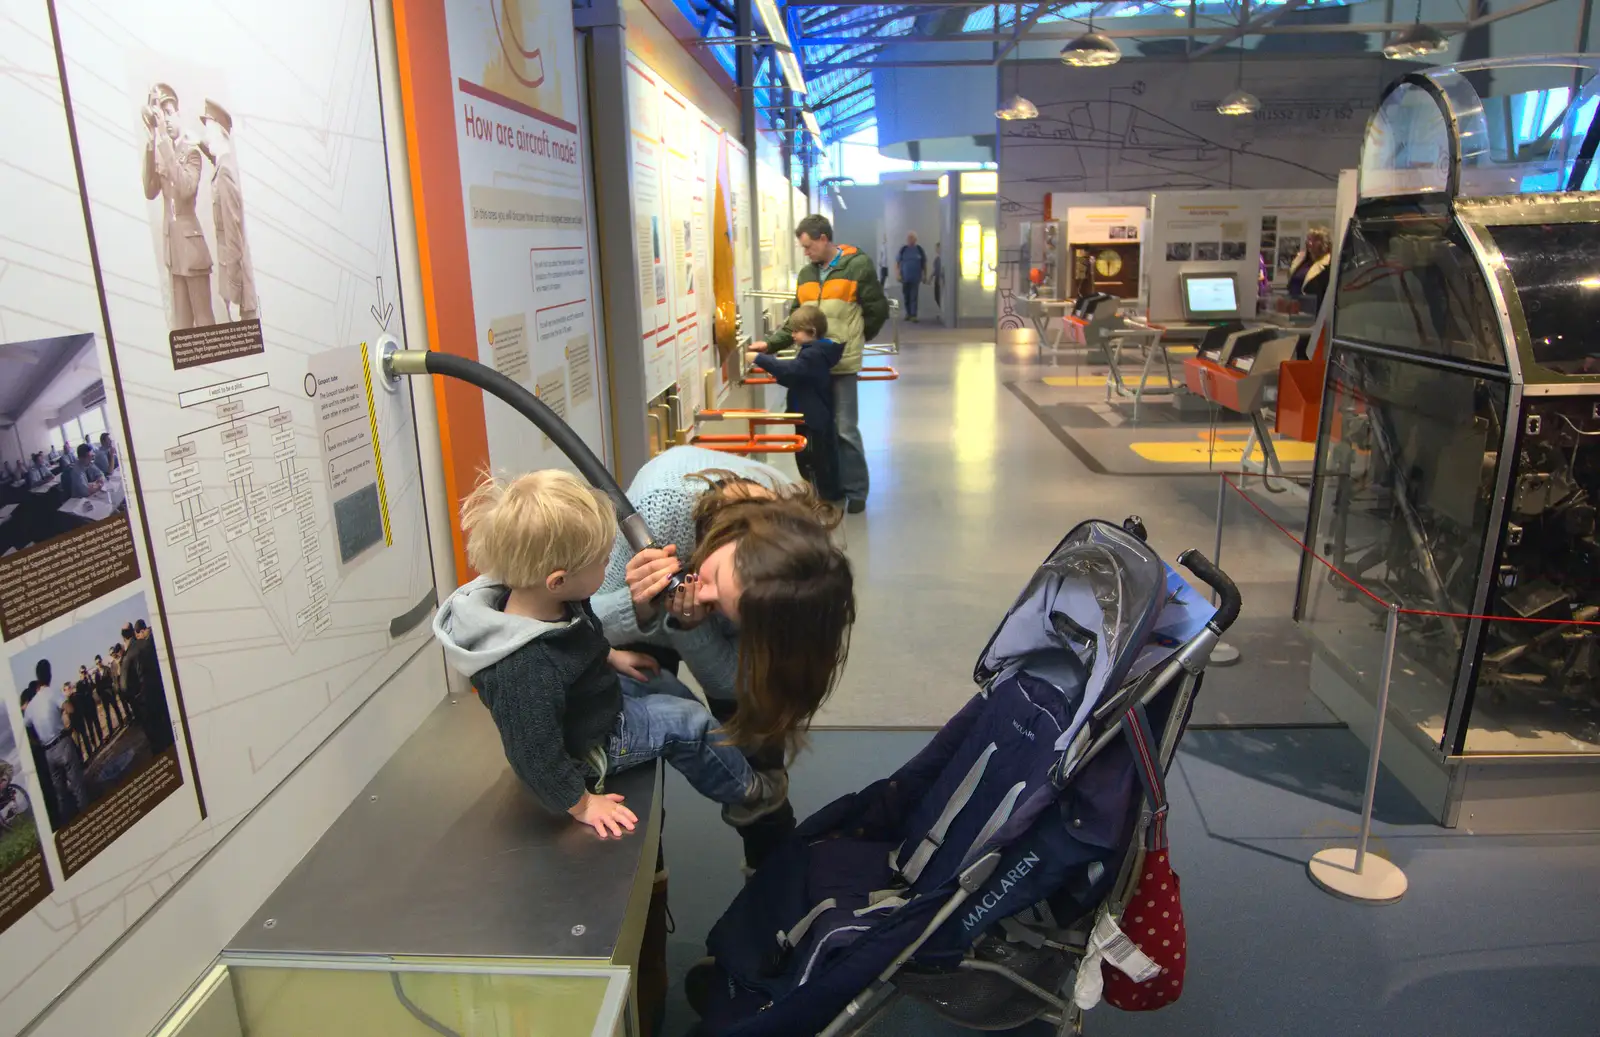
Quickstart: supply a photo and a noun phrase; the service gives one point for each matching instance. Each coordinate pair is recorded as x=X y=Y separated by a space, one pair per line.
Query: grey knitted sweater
x=664 y=494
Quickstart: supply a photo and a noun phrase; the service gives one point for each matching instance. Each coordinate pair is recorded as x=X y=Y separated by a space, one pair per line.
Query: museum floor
x=974 y=479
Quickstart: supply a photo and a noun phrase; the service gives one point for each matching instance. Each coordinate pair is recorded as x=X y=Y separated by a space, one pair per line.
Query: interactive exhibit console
x=1458 y=463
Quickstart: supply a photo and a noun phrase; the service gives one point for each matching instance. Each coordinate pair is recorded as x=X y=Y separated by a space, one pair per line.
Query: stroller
x=979 y=876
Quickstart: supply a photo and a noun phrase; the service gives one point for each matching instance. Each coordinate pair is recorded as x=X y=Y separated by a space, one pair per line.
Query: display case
x=1457 y=473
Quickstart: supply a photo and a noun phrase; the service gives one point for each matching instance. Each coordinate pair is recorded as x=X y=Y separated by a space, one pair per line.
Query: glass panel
x=1407 y=146
x=1407 y=279
x=56 y=439
x=975 y=220
x=1556 y=268
x=74 y=433
x=1533 y=117
x=1539 y=682
x=1406 y=480
x=326 y=1002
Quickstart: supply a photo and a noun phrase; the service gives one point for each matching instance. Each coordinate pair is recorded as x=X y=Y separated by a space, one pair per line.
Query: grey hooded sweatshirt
x=548 y=686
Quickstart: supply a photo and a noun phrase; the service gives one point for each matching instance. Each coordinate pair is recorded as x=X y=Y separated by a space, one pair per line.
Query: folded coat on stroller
x=1028 y=800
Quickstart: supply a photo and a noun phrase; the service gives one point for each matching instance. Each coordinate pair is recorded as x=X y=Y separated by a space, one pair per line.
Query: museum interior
x=914 y=481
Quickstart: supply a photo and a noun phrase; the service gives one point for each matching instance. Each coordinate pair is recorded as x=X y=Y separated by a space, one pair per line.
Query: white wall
x=133 y=986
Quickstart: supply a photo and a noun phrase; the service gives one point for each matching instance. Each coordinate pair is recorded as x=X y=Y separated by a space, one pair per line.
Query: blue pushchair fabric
x=1012 y=773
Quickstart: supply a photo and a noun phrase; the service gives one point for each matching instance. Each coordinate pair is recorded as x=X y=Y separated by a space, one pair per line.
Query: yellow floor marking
x=1068 y=381
x=1227 y=447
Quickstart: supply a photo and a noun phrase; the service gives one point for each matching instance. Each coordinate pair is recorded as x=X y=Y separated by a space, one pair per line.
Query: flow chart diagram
x=251 y=511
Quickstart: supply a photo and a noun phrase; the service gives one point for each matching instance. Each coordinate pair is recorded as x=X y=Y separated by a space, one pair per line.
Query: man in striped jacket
x=841 y=281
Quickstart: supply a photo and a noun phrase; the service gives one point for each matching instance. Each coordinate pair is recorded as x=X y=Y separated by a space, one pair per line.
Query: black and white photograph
x=94 y=705
x=195 y=201
x=1207 y=251
x=1179 y=251
x=1269 y=224
x=1287 y=247
x=1234 y=250
x=1118 y=233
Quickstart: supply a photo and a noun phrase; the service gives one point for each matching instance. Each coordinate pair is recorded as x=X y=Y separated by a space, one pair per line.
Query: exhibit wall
x=499 y=164
x=1110 y=129
x=231 y=556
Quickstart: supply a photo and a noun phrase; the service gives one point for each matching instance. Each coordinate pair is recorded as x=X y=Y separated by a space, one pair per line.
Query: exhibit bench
x=444 y=900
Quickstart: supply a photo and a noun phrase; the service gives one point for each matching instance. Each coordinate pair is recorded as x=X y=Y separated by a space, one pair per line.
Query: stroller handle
x=1227 y=594
x=397 y=363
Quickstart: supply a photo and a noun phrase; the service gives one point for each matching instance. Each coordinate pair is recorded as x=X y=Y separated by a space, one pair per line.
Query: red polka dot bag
x=1153 y=918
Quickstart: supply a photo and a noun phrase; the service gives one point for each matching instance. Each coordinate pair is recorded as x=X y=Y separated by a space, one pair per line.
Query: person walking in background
x=912 y=265
x=840 y=281
x=938 y=276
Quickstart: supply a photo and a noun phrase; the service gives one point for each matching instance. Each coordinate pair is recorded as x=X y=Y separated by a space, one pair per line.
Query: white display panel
x=271 y=503
x=651 y=235
x=525 y=192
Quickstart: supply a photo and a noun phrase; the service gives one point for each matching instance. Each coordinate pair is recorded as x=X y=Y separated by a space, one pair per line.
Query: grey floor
x=970 y=490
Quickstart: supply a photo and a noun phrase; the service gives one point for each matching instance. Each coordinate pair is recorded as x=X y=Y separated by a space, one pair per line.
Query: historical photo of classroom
x=95 y=713
x=62 y=490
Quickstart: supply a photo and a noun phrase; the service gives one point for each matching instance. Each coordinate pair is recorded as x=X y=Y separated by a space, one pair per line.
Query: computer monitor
x=1212 y=296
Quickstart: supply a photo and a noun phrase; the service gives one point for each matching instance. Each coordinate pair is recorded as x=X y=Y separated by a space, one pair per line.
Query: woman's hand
x=605 y=814
x=641 y=667
x=648 y=573
x=685 y=609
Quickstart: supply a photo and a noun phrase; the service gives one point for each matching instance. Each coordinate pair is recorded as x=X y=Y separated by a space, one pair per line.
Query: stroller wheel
x=697 y=984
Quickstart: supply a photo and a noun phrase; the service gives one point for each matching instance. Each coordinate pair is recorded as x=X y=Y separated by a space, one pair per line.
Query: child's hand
x=750 y=355
x=639 y=666
x=605 y=814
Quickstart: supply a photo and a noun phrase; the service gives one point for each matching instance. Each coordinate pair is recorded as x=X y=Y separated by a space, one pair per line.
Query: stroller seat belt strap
x=792 y=938
x=1001 y=815
x=935 y=837
x=1140 y=739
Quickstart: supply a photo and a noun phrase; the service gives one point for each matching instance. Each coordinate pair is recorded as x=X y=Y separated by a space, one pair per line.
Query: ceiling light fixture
x=1091 y=50
x=1017 y=108
x=1416 y=40
x=1240 y=102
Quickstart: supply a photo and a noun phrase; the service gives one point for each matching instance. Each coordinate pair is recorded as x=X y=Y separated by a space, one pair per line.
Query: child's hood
x=831 y=351
x=474 y=631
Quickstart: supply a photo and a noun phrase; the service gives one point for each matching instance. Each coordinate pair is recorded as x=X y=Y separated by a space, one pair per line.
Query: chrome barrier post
x=1353 y=873
x=1224 y=654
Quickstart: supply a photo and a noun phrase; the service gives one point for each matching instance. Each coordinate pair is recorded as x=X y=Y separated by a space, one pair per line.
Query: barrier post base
x=1378 y=882
x=1224 y=654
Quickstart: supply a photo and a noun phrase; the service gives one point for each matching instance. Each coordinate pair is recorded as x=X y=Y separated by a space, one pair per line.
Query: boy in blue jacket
x=809 y=380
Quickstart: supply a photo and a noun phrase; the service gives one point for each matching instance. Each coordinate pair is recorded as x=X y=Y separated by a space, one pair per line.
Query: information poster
x=196 y=589
x=743 y=238
x=649 y=180
x=524 y=186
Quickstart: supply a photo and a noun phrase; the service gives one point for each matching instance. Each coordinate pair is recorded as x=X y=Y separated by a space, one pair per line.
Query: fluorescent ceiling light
x=780 y=39
x=812 y=126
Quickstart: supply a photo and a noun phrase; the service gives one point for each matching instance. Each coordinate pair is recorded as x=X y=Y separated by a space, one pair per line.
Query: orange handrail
x=877 y=374
x=751 y=442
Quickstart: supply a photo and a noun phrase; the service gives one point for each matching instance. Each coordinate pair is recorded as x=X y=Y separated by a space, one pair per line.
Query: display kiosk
x=1458 y=463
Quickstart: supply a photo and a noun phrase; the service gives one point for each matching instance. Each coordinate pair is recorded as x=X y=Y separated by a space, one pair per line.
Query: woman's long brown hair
x=795 y=613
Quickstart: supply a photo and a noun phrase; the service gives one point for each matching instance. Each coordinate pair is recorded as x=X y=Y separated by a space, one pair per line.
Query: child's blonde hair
x=519 y=532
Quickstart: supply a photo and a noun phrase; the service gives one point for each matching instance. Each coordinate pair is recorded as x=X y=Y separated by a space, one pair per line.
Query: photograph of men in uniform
x=236 y=278
x=172 y=169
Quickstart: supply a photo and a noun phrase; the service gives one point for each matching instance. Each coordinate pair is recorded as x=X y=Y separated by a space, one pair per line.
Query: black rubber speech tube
x=415 y=362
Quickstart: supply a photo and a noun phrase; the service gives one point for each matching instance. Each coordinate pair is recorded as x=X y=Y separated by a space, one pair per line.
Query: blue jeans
x=853 y=479
x=663 y=719
x=909 y=289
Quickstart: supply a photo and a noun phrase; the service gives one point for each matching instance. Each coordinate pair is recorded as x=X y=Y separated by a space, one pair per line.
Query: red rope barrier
x=1227 y=477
